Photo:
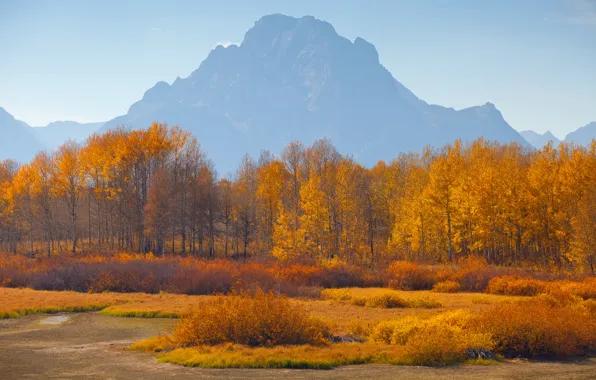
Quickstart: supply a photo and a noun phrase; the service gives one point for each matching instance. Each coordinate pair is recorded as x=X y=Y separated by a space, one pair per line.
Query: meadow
x=234 y=314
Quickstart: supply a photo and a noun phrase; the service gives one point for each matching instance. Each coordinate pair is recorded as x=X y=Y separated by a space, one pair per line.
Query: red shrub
x=409 y=276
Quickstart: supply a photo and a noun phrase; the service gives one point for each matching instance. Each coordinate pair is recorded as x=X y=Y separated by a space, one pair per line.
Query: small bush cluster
x=448 y=286
x=473 y=274
x=406 y=275
x=185 y=275
x=544 y=327
x=440 y=340
x=585 y=289
x=386 y=299
x=512 y=285
x=262 y=319
x=515 y=286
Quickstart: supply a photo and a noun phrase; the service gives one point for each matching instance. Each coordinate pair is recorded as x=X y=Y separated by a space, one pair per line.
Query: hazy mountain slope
x=583 y=135
x=56 y=133
x=298 y=79
x=18 y=140
x=538 y=140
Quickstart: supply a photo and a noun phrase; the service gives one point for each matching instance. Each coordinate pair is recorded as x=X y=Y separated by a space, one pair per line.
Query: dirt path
x=90 y=346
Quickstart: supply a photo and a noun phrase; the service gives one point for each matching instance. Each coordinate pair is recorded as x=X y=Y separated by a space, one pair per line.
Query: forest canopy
x=155 y=190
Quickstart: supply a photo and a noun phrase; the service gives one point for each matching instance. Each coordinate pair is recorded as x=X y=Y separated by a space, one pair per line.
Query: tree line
x=155 y=190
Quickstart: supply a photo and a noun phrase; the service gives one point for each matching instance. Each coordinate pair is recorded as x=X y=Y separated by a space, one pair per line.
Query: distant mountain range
x=55 y=133
x=581 y=136
x=295 y=79
x=538 y=140
x=18 y=140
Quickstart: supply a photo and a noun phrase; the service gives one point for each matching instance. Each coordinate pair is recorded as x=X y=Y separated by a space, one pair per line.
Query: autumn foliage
x=151 y=274
x=260 y=319
x=540 y=328
x=155 y=190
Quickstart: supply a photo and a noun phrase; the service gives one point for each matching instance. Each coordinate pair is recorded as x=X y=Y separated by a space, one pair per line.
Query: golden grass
x=381 y=298
x=163 y=305
x=300 y=356
x=21 y=302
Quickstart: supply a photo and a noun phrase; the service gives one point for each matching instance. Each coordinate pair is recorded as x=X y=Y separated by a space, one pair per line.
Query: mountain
x=57 y=132
x=538 y=140
x=583 y=135
x=296 y=78
x=18 y=140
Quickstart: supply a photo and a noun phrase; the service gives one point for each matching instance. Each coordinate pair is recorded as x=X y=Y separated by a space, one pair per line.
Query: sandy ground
x=91 y=346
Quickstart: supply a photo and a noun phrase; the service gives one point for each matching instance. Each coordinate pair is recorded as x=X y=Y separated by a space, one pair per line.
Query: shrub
x=538 y=328
x=443 y=344
x=400 y=330
x=383 y=331
x=261 y=319
x=336 y=294
x=439 y=340
x=386 y=301
x=473 y=274
x=514 y=286
x=403 y=329
x=342 y=275
x=409 y=276
x=423 y=303
x=448 y=286
x=585 y=289
x=359 y=301
x=360 y=328
x=198 y=280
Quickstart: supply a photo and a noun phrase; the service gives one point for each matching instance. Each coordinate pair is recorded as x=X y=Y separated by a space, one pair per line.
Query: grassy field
x=22 y=302
x=391 y=326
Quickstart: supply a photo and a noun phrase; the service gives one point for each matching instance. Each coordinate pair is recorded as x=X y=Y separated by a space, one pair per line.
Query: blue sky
x=90 y=60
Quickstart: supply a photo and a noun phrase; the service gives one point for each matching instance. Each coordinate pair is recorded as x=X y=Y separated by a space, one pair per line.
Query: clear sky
x=90 y=60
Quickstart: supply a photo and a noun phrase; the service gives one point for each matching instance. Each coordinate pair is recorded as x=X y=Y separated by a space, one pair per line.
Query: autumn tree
x=68 y=183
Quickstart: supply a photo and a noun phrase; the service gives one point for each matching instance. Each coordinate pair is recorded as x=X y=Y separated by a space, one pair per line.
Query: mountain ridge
x=298 y=79
x=583 y=135
x=538 y=140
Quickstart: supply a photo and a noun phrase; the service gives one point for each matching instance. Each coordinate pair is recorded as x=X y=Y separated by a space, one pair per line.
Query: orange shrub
x=539 y=328
x=585 y=289
x=448 y=286
x=473 y=274
x=511 y=285
x=262 y=319
x=202 y=279
x=406 y=275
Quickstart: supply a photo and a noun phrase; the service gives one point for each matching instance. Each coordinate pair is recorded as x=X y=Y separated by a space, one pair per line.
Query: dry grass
x=559 y=325
x=163 y=305
x=380 y=298
x=21 y=302
x=302 y=356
